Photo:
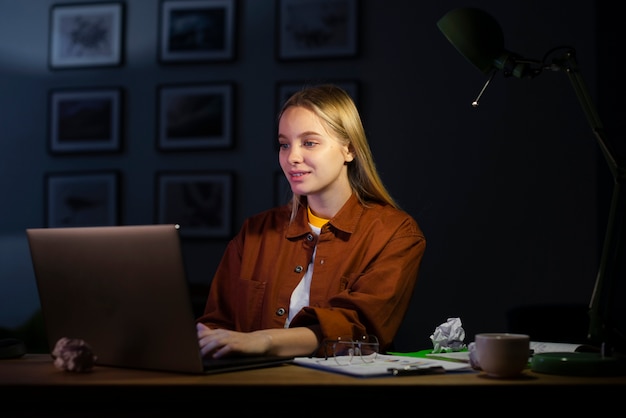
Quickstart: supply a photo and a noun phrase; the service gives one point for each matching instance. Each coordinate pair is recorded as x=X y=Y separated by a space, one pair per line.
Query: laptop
x=123 y=290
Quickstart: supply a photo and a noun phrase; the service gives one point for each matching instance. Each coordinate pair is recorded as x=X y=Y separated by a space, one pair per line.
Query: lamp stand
x=601 y=330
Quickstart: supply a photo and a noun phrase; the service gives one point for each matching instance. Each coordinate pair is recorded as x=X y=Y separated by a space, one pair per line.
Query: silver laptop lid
x=121 y=289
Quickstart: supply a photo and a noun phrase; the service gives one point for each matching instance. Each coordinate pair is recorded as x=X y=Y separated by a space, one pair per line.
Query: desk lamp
x=479 y=38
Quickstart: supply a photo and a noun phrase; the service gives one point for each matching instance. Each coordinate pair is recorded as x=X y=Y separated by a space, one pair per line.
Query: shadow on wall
x=20 y=314
x=19 y=299
x=567 y=323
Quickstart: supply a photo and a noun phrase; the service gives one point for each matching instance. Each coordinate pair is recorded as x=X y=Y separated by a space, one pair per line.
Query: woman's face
x=312 y=158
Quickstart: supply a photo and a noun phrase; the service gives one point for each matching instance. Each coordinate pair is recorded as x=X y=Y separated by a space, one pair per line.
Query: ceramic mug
x=501 y=354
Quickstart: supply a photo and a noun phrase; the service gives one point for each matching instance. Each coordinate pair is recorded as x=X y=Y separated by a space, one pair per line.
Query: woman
x=341 y=259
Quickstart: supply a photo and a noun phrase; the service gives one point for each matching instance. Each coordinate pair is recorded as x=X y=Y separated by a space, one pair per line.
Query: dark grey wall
x=506 y=193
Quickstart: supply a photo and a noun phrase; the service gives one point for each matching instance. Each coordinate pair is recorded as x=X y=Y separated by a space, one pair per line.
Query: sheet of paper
x=548 y=347
x=380 y=366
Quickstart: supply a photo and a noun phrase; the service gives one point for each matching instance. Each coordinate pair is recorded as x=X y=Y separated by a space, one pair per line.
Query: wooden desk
x=112 y=389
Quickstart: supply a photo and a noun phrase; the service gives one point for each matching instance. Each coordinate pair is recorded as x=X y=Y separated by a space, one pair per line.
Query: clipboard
x=384 y=365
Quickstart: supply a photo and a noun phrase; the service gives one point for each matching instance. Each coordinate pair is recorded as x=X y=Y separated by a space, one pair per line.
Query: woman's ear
x=349 y=155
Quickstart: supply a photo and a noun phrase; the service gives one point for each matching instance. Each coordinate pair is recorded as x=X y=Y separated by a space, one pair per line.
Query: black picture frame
x=84 y=35
x=87 y=120
x=195 y=116
x=196 y=31
x=201 y=202
x=316 y=29
x=83 y=198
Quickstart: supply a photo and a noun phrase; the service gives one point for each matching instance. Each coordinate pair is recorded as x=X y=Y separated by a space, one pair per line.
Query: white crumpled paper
x=448 y=336
x=473 y=356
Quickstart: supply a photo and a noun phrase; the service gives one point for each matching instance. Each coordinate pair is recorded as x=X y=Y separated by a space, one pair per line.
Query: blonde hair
x=334 y=106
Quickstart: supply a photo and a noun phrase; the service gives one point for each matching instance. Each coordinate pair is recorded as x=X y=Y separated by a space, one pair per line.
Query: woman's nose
x=294 y=155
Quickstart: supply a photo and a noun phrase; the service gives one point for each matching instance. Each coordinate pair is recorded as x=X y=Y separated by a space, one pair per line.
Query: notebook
x=123 y=290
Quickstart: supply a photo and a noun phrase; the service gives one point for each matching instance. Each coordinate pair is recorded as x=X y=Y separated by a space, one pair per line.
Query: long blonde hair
x=334 y=106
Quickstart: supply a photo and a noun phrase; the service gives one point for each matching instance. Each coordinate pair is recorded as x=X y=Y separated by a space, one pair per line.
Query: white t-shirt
x=300 y=295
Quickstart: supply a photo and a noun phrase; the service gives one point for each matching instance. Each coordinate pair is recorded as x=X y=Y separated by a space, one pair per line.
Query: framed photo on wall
x=82 y=199
x=316 y=29
x=200 y=202
x=195 y=117
x=197 y=31
x=86 y=35
x=85 y=120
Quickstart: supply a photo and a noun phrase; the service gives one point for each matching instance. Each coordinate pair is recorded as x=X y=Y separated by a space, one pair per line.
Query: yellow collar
x=316 y=220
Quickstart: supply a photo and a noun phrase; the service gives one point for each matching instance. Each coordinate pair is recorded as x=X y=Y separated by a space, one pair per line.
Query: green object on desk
x=421 y=353
x=578 y=364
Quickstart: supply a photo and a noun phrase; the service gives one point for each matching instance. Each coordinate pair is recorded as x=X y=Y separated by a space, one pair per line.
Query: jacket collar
x=345 y=220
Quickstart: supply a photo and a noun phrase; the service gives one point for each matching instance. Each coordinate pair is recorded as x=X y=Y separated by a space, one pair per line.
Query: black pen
x=416 y=370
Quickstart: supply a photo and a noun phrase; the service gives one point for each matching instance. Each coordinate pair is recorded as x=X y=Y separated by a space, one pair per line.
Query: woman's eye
x=283 y=146
x=308 y=143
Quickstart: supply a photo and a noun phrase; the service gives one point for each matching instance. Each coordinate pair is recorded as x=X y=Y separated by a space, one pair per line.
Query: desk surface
x=36 y=375
x=38 y=370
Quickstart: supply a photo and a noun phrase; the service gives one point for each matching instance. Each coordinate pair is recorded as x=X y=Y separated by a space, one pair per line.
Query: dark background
x=512 y=195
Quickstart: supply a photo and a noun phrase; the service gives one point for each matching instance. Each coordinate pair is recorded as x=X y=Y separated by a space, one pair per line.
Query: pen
x=416 y=370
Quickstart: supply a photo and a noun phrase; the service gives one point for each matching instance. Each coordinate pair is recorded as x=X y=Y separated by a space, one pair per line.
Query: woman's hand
x=220 y=342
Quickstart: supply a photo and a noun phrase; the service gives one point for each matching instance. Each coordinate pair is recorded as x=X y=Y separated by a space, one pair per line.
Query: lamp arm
x=600 y=327
x=570 y=66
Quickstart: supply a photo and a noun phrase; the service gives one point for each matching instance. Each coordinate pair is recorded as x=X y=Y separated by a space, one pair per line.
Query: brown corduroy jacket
x=366 y=267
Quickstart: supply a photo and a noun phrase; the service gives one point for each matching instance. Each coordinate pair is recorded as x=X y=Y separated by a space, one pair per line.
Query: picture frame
x=195 y=116
x=201 y=202
x=316 y=29
x=86 y=35
x=196 y=31
x=89 y=198
x=86 y=120
x=284 y=89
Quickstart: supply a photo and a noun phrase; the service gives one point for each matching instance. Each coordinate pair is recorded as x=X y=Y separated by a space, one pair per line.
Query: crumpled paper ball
x=73 y=355
x=473 y=356
x=448 y=336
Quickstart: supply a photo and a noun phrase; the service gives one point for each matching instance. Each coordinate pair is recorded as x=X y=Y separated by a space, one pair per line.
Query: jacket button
x=310 y=237
x=298 y=269
x=280 y=311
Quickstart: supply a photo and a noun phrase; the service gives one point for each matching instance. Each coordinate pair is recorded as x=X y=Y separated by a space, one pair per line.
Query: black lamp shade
x=475 y=34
